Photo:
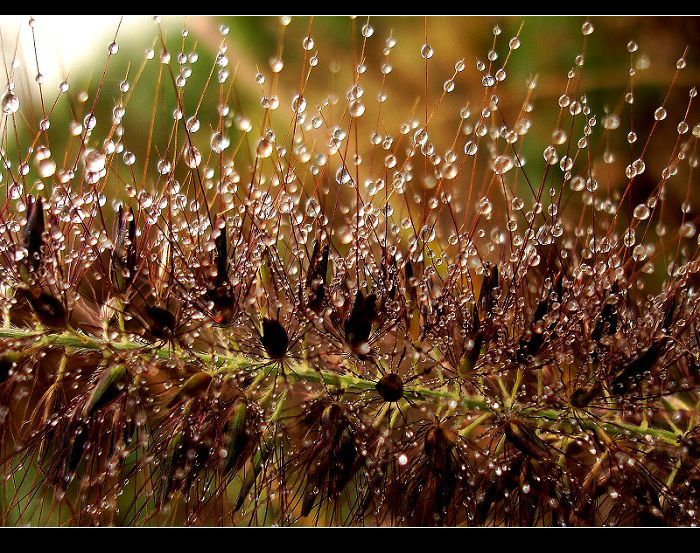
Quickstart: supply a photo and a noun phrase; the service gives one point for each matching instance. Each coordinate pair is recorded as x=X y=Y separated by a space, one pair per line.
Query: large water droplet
x=95 y=161
x=298 y=104
x=502 y=164
x=219 y=142
x=641 y=212
x=191 y=156
x=10 y=103
x=264 y=148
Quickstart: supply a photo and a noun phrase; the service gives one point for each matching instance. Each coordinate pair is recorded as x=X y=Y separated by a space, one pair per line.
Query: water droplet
x=342 y=177
x=488 y=80
x=95 y=161
x=192 y=124
x=191 y=156
x=687 y=230
x=10 y=103
x=550 y=155
x=308 y=43
x=660 y=114
x=219 y=142
x=264 y=148
x=298 y=104
x=163 y=166
x=449 y=171
x=357 y=108
x=470 y=148
x=485 y=206
x=641 y=212
x=610 y=121
x=46 y=167
x=276 y=64
x=502 y=164
x=313 y=209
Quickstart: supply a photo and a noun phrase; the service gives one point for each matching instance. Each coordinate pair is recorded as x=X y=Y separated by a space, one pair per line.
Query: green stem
x=225 y=362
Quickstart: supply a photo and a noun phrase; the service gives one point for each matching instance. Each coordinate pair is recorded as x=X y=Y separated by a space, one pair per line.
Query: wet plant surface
x=291 y=311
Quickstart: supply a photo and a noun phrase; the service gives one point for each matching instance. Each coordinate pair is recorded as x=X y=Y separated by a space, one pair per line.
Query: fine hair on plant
x=407 y=288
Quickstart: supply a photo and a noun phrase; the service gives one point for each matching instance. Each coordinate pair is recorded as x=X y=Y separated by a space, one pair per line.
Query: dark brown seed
x=345 y=464
x=437 y=446
x=525 y=440
x=47 y=307
x=606 y=325
x=76 y=445
x=107 y=389
x=634 y=370
x=489 y=285
x=195 y=385
x=224 y=308
x=532 y=341
x=221 y=244
x=161 y=322
x=316 y=277
x=582 y=397
x=331 y=420
x=274 y=338
x=124 y=255
x=34 y=232
x=669 y=311
x=390 y=387
x=358 y=326
x=236 y=436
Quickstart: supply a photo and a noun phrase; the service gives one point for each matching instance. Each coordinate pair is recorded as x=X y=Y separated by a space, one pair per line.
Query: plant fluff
x=284 y=310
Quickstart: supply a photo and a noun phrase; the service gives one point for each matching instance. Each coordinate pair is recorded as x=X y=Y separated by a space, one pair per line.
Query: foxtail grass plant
x=302 y=308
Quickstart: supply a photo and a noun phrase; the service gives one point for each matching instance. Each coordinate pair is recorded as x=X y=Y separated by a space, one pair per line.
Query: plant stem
x=551 y=419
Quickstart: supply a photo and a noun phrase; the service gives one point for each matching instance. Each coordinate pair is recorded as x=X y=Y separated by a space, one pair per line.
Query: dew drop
x=502 y=164
x=550 y=155
x=95 y=161
x=192 y=124
x=264 y=148
x=641 y=212
x=357 y=108
x=219 y=142
x=298 y=104
x=687 y=230
x=313 y=209
x=191 y=156
x=308 y=43
x=10 y=103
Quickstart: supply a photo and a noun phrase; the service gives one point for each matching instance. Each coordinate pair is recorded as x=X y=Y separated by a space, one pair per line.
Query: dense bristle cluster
x=293 y=313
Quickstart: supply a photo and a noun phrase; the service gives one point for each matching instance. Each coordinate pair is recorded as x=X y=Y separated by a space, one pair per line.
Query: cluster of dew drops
x=278 y=182
x=399 y=170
